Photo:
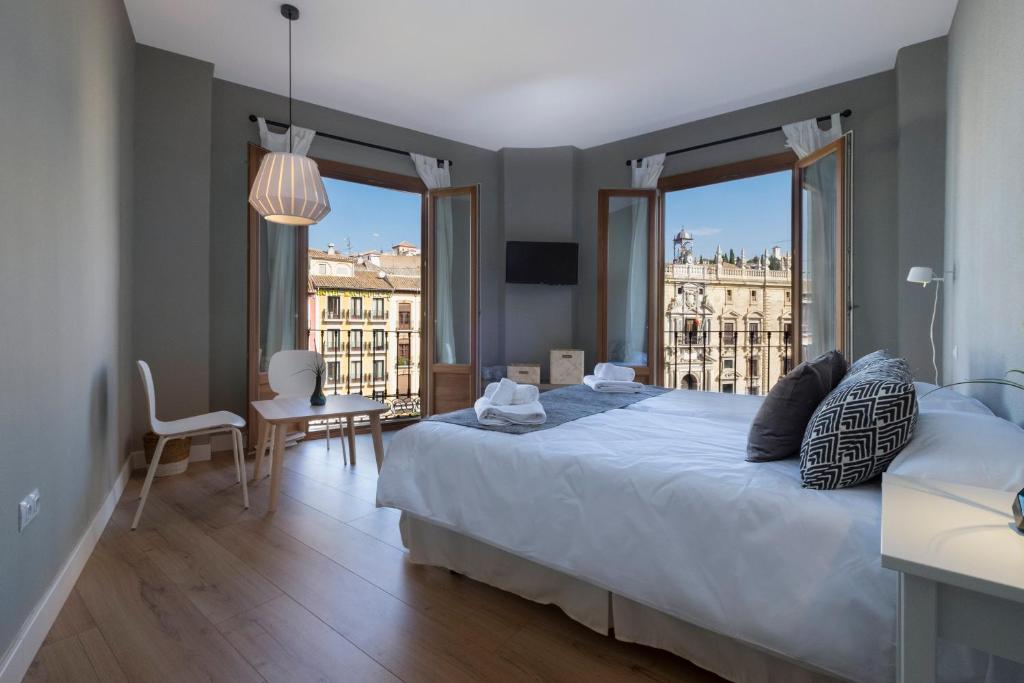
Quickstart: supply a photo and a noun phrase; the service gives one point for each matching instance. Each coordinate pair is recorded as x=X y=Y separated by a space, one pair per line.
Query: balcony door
x=821 y=281
x=451 y=299
x=627 y=268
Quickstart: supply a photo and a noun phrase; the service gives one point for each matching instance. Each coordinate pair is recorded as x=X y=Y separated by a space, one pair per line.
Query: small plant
x=986 y=380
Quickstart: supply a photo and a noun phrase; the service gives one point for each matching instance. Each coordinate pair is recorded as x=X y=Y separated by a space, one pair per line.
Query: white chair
x=211 y=423
x=288 y=374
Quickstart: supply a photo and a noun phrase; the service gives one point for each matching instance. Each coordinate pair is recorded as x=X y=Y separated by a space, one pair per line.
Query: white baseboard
x=33 y=632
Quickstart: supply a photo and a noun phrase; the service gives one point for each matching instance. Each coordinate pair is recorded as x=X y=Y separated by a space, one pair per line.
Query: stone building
x=728 y=320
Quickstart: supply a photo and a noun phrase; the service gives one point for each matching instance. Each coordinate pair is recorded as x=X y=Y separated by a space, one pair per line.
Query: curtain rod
x=331 y=136
x=845 y=113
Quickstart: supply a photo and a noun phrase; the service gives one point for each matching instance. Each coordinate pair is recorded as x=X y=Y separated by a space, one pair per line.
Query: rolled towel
x=504 y=392
x=612 y=386
x=499 y=416
x=618 y=373
x=525 y=393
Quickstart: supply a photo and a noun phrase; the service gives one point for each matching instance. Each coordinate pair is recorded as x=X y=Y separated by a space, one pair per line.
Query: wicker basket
x=174 y=459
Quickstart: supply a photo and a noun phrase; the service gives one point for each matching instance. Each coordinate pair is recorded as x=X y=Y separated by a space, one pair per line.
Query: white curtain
x=645 y=174
x=436 y=176
x=820 y=218
x=280 y=242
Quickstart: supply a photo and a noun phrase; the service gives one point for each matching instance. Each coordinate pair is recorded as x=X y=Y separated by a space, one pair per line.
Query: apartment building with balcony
x=364 y=313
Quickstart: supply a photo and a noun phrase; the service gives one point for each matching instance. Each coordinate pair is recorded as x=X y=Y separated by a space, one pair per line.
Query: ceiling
x=538 y=73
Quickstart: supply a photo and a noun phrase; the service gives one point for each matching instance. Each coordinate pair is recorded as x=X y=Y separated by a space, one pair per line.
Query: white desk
x=961 y=565
x=283 y=411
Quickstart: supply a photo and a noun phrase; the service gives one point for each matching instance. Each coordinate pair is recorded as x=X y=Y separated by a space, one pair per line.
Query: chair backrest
x=147 y=384
x=289 y=372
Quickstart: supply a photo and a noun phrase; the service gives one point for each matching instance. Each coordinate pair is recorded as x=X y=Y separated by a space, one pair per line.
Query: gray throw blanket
x=561 y=405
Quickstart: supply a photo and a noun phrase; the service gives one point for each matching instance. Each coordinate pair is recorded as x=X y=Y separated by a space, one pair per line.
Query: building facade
x=728 y=320
x=364 y=313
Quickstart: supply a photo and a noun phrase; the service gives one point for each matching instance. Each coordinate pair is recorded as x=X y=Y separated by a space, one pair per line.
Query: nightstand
x=961 y=570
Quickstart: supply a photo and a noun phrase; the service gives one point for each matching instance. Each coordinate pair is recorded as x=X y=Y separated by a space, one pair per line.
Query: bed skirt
x=597 y=608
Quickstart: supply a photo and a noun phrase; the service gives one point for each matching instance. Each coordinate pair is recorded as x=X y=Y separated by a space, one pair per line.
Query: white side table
x=961 y=566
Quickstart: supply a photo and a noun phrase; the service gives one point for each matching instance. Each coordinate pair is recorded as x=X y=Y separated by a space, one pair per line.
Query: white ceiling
x=537 y=73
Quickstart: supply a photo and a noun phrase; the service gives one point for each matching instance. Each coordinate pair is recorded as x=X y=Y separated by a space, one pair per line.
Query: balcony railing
x=720 y=360
x=397 y=387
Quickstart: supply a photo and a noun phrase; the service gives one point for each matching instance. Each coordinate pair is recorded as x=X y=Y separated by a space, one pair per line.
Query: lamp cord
x=291 y=134
x=931 y=329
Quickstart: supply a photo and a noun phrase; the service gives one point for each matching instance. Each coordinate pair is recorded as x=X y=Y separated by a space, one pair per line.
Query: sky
x=371 y=217
x=750 y=213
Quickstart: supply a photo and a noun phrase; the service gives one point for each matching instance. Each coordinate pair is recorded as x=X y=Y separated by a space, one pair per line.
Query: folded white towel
x=618 y=373
x=503 y=393
x=500 y=416
x=524 y=393
x=612 y=386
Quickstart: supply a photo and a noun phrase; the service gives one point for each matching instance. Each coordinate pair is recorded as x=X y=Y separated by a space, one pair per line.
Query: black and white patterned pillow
x=870 y=360
x=860 y=426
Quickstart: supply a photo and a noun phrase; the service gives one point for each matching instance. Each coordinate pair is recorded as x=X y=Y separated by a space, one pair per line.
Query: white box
x=524 y=373
x=566 y=366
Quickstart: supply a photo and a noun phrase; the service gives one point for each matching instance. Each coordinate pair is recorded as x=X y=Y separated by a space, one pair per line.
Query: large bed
x=648 y=523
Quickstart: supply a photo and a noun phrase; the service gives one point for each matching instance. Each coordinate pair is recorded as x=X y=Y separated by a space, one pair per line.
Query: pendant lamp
x=288 y=188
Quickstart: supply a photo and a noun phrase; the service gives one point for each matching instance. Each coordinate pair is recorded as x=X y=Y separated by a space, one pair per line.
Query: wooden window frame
x=257 y=383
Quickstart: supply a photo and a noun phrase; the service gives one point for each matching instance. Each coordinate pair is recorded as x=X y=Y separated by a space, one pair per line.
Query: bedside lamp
x=923 y=275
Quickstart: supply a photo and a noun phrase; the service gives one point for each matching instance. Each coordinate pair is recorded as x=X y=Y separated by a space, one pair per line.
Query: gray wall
x=921 y=179
x=875 y=262
x=232 y=131
x=984 y=311
x=537 y=204
x=66 y=192
x=171 y=241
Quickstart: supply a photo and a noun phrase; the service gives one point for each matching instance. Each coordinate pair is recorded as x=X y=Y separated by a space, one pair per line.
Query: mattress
x=655 y=503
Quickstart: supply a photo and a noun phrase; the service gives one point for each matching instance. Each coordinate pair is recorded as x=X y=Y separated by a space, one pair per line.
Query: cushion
x=860 y=426
x=869 y=360
x=964 y=448
x=778 y=428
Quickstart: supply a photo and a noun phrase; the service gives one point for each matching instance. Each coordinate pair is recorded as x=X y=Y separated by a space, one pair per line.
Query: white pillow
x=947 y=399
x=964 y=448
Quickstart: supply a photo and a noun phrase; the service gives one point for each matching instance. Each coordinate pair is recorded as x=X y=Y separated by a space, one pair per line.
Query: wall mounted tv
x=546 y=263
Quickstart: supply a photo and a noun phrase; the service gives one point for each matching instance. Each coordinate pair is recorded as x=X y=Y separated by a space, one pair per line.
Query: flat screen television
x=545 y=263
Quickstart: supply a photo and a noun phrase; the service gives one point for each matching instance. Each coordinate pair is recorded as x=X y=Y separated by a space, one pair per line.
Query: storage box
x=524 y=373
x=566 y=366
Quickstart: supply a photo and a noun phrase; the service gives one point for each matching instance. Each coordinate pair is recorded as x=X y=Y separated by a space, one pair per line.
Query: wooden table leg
x=351 y=440
x=378 y=439
x=261 y=445
x=917 y=624
x=276 y=466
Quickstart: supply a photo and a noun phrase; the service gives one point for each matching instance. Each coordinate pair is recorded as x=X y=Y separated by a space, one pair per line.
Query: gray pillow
x=779 y=426
x=860 y=426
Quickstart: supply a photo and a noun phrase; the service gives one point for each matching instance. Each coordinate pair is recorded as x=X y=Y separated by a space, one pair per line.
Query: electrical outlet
x=28 y=508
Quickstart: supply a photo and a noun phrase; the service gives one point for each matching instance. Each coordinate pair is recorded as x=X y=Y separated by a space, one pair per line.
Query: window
x=752 y=367
x=728 y=296
x=333 y=339
x=729 y=334
x=355 y=371
x=339 y=270
x=356 y=306
x=755 y=332
x=378 y=340
x=323 y=269
x=727 y=388
x=403 y=354
x=378 y=370
x=787 y=332
x=405 y=316
x=332 y=372
x=789 y=296
x=378 y=308
x=728 y=364
x=355 y=340
x=334 y=307
x=753 y=296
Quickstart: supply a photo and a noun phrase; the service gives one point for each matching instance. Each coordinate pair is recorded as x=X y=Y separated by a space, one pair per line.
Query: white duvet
x=656 y=503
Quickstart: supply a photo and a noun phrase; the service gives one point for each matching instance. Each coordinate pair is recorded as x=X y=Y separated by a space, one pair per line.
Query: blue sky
x=751 y=214
x=371 y=217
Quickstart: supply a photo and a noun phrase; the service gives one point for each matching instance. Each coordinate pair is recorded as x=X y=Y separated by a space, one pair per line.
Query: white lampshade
x=289 y=190
x=921 y=275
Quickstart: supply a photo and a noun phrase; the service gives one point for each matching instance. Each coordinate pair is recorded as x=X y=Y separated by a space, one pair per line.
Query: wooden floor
x=321 y=590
